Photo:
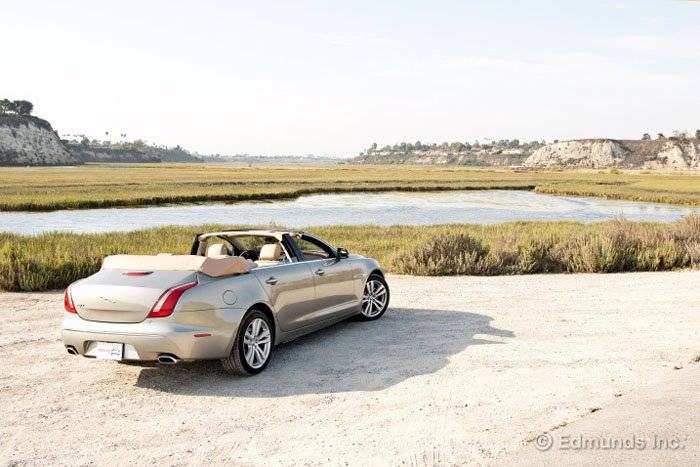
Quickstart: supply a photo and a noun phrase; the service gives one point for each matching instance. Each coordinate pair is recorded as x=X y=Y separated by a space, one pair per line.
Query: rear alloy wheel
x=252 y=348
x=375 y=299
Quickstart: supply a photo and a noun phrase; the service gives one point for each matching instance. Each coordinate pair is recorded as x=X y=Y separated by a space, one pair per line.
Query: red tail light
x=165 y=305
x=68 y=301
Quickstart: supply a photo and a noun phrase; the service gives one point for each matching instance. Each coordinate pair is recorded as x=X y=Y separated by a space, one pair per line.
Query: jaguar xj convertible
x=237 y=295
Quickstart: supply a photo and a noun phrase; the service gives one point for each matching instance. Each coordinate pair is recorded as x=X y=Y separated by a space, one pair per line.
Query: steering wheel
x=252 y=255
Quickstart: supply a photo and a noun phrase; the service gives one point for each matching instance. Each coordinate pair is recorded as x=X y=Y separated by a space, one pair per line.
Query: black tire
x=236 y=362
x=374 y=315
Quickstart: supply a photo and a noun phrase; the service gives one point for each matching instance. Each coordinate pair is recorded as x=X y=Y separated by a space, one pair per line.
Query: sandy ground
x=656 y=424
x=459 y=370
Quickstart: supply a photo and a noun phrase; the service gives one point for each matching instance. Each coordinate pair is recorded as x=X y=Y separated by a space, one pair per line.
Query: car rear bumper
x=199 y=335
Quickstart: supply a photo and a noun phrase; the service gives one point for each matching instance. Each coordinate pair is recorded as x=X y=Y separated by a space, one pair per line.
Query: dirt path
x=460 y=370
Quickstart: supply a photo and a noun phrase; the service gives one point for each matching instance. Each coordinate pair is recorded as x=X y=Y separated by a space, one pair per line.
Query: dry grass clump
x=444 y=255
x=622 y=246
x=52 y=261
x=457 y=253
x=686 y=232
x=19 y=270
x=615 y=246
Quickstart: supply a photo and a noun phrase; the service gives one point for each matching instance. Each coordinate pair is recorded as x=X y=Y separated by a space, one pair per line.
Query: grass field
x=108 y=185
x=55 y=260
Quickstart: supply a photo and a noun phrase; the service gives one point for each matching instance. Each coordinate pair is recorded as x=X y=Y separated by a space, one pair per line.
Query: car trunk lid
x=123 y=296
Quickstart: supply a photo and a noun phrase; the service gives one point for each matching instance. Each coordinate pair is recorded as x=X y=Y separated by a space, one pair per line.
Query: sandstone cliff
x=27 y=140
x=84 y=153
x=665 y=154
x=442 y=158
x=128 y=152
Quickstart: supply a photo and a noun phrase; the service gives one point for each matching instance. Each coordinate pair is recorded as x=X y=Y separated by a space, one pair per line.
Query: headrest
x=270 y=252
x=217 y=249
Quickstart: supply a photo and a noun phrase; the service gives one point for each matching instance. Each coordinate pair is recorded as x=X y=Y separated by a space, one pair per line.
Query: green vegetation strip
x=114 y=185
x=54 y=260
x=262 y=195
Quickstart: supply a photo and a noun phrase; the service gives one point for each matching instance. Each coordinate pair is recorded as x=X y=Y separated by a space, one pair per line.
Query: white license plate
x=109 y=351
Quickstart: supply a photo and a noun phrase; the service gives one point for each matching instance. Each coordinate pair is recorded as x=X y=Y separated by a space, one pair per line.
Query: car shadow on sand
x=349 y=356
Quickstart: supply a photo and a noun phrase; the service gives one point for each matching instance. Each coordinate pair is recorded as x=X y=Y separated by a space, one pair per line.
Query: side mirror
x=343 y=253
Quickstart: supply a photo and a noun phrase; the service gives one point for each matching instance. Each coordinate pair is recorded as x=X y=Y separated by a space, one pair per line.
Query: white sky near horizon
x=330 y=78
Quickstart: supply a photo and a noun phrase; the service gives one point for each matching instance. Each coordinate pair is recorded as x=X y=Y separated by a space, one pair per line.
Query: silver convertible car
x=236 y=296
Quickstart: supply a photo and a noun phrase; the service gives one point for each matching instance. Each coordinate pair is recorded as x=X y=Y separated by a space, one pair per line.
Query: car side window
x=311 y=249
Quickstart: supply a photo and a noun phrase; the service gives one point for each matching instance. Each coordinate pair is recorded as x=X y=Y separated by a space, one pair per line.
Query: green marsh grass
x=54 y=260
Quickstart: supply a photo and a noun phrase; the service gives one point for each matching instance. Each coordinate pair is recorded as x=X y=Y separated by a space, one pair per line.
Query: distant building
x=512 y=152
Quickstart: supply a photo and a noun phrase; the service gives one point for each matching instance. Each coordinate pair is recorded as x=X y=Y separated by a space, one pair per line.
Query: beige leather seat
x=270 y=253
x=217 y=249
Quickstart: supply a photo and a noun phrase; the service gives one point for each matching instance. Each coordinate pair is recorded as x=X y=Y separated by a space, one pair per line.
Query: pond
x=480 y=207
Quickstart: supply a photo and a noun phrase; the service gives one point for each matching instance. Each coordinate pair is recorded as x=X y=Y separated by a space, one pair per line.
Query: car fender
x=232 y=296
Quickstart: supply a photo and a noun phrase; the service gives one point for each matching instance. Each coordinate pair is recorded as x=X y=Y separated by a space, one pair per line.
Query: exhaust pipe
x=71 y=350
x=167 y=359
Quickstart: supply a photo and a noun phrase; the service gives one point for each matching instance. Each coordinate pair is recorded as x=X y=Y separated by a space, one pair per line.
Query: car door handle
x=319 y=272
x=271 y=280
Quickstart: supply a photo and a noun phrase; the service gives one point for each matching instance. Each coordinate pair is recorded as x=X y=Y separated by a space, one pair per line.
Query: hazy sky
x=282 y=77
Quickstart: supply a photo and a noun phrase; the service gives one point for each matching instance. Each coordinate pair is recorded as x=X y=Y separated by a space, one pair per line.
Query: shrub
x=686 y=229
x=446 y=254
x=686 y=232
x=621 y=245
x=537 y=256
x=612 y=249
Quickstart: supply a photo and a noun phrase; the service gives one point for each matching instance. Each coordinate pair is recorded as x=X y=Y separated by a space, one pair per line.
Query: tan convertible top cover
x=211 y=266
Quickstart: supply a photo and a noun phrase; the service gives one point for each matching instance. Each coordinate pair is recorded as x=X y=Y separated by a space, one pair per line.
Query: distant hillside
x=443 y=158
x=498 y=153
x=663 y=154
x=176 y=154
x=137 y=151
x=96 y=153
x=28 y=140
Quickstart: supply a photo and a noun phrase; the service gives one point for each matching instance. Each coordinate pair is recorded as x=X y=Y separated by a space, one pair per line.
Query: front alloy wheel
x=376 y=297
